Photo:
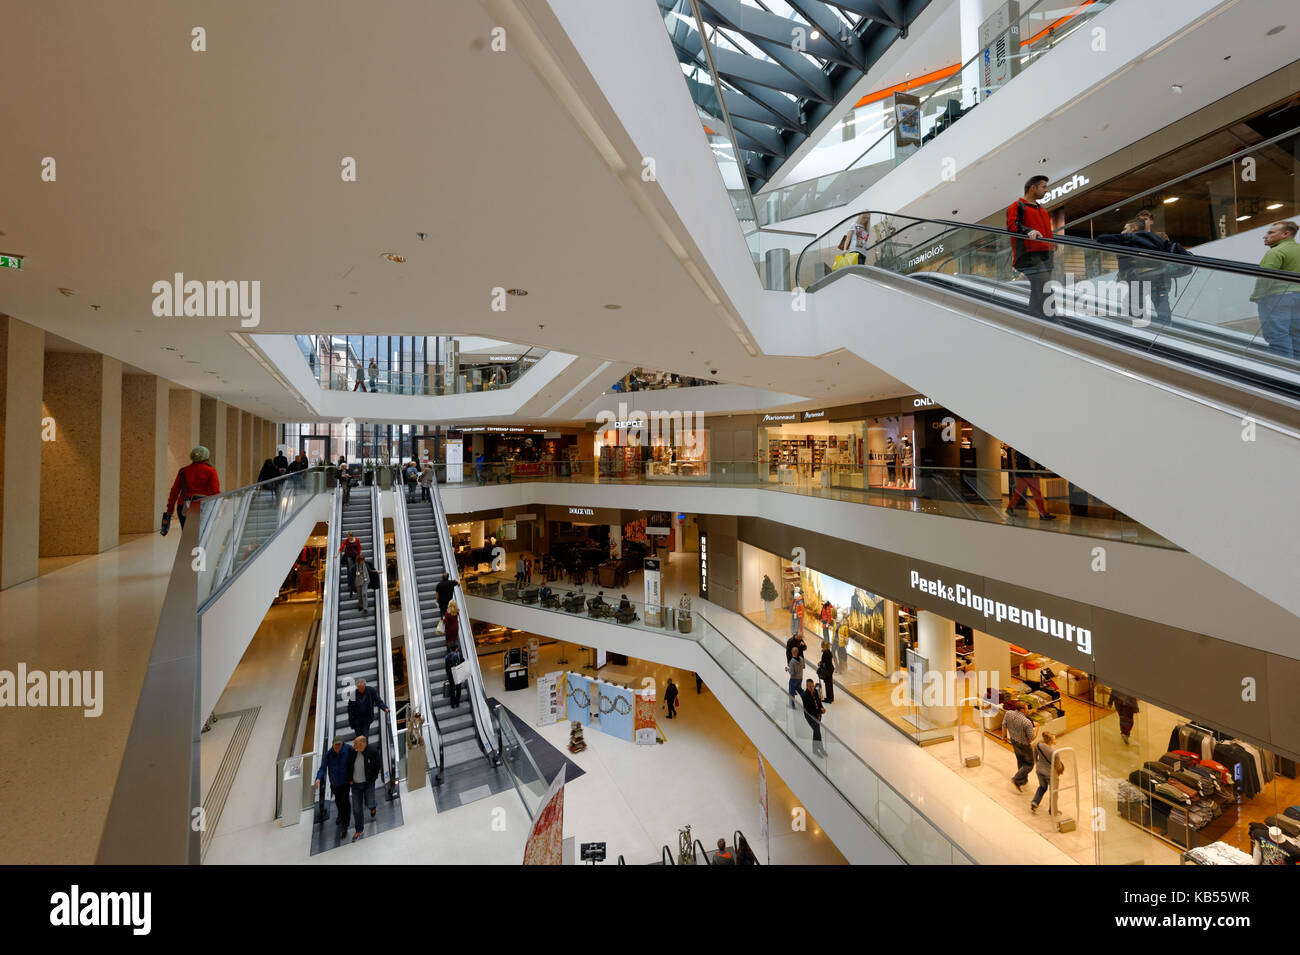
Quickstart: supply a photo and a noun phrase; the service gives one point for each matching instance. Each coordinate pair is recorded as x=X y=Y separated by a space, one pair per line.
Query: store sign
x=998 y=611
x=582 y=511
x=1077 y=181
x=925 y=256
x=781 y=417
x=999 y=42
x=813 y=415
x=704 y=565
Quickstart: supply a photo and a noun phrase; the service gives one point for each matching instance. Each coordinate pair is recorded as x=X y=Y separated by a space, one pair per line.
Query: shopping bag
x=460 y=672
x=844 y=259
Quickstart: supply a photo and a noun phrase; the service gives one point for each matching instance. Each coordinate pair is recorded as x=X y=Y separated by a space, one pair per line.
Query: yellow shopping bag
x=844 y=259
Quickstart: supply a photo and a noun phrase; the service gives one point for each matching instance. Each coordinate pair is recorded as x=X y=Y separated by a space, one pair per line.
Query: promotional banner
x=552 y=705
x=999 y=42
x=652 y=592
x=907 y=120
x=545 y=845
x=578 y=693
x=762 y=812
x=617 y=707
x=455 y=463
x=646 y=724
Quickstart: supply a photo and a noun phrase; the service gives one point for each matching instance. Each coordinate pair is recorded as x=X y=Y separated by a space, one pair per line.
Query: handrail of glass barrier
x=1093 y=7
x=417 y=665
x=698 y=635
x=326 y=696
x=384 y=641
x=469 y=650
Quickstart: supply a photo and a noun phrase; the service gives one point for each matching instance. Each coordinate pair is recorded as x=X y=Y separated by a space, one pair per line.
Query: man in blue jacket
x=361 y=775
x=1137 y=235
x=335 y=764
x=361 y=708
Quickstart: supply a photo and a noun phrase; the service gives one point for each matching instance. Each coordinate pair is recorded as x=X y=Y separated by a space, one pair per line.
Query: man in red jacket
x=197 y=479
x=1031 y=255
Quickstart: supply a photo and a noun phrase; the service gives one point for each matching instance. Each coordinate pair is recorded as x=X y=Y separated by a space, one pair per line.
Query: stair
x=261 y=522
x=357 y=635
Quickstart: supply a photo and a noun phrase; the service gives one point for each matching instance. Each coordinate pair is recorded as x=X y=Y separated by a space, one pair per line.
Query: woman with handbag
x=1045 y=762
x=451 y=625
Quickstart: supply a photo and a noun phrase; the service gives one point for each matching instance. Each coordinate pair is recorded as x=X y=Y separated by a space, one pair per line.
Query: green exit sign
x=10 y=261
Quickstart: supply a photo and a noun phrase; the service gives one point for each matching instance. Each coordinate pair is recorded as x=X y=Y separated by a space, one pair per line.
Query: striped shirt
x=1019 y=727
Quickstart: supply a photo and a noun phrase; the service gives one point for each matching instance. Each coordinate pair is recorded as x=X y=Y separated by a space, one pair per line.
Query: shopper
x=744 y=854
x=723 y=856
x=670 y=698
x=299 y=463
x=1031 y=255
x=812 y=712
x=451 y=625
x=826 y=671
x=856 y=241
x=1044 y=760
x=351 y=551
x=699 y=685
x=362 y=773
x=843 y=648
x=1019 y=730
x=345 y=480
x=795 y=669
x=268 y=471
x=372 y=372
x=452 y=660
x=796 y=613
x=427 y=477
x=1278 y=300
x=196 y=480
x=443 y=591
x=281 y=462
x=335 y=764
x=520 y=571
x=1154 y=273
x=1127 y=707
x=479 y=476
x=791 y=644
x=362 y=703
x=1026 y=485
x=361 y=380
x=827 y=618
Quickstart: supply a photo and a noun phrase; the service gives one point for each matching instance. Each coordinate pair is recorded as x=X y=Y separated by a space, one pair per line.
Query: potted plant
x=767 y=593
x=368 y=472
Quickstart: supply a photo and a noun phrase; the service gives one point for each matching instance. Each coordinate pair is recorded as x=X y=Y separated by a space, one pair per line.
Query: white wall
x=754 y=563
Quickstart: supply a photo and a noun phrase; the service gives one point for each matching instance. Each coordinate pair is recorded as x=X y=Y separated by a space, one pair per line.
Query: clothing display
x=1217 y=853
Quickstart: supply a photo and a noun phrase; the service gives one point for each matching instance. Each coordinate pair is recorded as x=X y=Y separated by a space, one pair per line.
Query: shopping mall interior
x=776 y=458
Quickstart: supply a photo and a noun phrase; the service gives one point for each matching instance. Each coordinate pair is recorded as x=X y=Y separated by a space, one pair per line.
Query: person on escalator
x=1278 y=301
x=1026 y=486
x=362 y=703
x=1156 y=273
x=268 y=471
x=427 y=477
x=451 y=625
x=855 y=242
x=281 y=462
x=361 y=774
x=1032 y=255
x=335 y=764
x=196 y=480
x=351 y=551
x=443 y=591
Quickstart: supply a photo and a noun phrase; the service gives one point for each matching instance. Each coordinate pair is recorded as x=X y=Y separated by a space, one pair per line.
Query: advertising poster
x=916 y=667
x=578 y=693
x=999 y=41
x=545 y=845
x=617 y=707
x=552 y=705
x=762 y=812
x=645 y=721
x=455 y=463
x=907 y=120
x=652 y=592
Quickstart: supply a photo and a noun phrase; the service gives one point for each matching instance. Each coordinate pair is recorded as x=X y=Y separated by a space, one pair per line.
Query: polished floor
x=99 y=613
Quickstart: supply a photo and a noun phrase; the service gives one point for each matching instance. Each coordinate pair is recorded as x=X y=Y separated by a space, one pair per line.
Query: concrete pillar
x=988 y=461
x=182 y=429
x=143 y=495
x=230 y=472
x=258 y=435
x=214 y=435
x=247 y=469
x=936 y=640
x=892 y=661
x=81 y=468
x=22 y=373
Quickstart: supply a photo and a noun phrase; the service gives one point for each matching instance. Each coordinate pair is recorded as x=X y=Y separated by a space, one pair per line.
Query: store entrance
x=316 y=447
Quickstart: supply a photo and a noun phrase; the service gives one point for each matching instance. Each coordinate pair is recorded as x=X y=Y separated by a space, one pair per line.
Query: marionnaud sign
x=793 y=416
x=1033 y=619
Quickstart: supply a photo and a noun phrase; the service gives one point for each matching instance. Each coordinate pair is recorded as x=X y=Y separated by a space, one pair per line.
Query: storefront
x=667 y=448
x=517 y=451
x=811 y=447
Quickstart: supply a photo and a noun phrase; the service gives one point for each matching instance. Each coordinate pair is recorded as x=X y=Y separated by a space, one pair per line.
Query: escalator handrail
x=465 y=629
x=697 y=849
x=383 y=637
x=417 y=665
x=736 y=838
x=325 y=688
x=1196 y=261
x=666 y=856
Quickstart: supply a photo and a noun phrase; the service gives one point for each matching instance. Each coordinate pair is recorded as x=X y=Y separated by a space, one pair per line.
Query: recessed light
x=517 y=291
x=1171 y=200
x=68 y=292
x=422 y=235
x=97 y=307
x=1242 y=218
x=168 y=347
x=612 y=307
x=394 y=257
x=815 y=35
x=1273 y=205
x=1276 y=30
x=191 y=361
x=1176 y=87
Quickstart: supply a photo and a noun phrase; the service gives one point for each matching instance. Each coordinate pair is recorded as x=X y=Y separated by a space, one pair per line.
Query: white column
x=988 y=460
x=936 y=640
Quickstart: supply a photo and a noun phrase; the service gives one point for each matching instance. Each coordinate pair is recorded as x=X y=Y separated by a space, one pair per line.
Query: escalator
x=465 y=738
x=260 y=521
x=1153 y=360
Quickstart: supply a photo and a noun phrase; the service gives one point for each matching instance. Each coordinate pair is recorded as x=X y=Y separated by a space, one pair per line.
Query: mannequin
x=891 y=461
x=905 y=472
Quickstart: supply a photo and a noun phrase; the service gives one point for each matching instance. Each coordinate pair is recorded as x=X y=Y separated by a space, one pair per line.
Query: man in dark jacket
x=444 y=590
x=361 y=775
x=361 y=707
x=1136 y=269
x=670 y=698
x=281 y=462
x=335 y=764
x=450 y=661
x=812 y=712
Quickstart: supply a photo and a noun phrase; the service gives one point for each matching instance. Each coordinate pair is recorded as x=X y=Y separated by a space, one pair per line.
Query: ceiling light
x=815 y=35
x=613 y=307
x=1273 y=205
x=1276 y=30
x=517 y=291
x=394 y=257
x=1171 y=200
x=1177 y=87
x=67 y=292
x=168 y=347
x=1242 y=218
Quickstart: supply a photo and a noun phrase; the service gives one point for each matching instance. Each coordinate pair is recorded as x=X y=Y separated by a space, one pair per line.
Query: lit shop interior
x=669 y=450
x=1168 y=782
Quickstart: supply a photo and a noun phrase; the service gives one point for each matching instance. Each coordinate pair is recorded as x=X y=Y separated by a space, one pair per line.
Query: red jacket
x=1023 y=215
x=201 y=480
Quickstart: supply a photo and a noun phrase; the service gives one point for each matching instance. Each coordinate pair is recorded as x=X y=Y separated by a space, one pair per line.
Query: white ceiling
x=225 y=165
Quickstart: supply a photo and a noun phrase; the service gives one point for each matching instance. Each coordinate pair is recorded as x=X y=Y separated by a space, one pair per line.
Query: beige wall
x=81 y=468
x=182 y=429
x=22 y=373
x=214 y=436
x=247 y=470
x=230 y=473
x=144 y=483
